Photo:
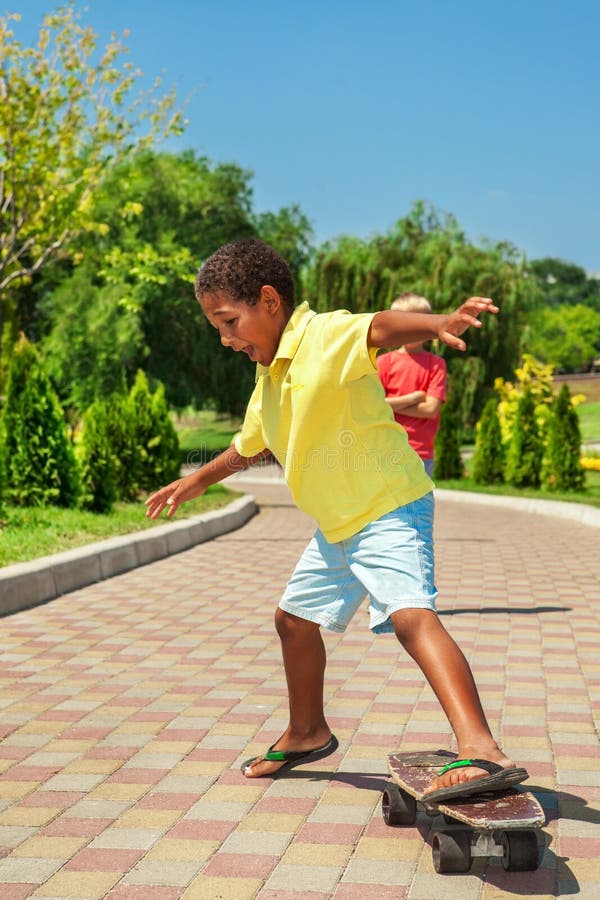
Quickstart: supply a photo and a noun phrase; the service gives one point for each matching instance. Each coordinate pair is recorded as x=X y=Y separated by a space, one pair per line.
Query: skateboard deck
x=503 y=823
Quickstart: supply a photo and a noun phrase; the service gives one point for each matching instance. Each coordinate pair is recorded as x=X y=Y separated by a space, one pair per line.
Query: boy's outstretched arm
x=177 y=492
x=392 y=328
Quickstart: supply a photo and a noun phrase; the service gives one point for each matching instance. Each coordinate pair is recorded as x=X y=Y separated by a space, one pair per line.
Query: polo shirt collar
x=290 y=339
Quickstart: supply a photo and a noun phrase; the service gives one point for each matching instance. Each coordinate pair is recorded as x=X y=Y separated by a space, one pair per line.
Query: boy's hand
x=462 y=318
x=173 y=495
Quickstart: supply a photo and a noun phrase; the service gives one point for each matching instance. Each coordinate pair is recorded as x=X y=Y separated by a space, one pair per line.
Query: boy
x=319 y=408
x=414 y=381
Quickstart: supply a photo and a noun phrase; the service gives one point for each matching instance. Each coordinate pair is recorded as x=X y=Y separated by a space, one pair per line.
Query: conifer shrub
x=121 y=435
x=489 y=456
x=38 y=462
x=156 y=453
x=561 y=465
x=97 y=460
x=526 y=447
x=448 y=461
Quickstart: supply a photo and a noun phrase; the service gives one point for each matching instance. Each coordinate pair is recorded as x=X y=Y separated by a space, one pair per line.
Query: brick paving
x=127 y=707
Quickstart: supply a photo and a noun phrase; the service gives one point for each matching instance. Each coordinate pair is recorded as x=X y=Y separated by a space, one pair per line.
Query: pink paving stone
x=101 y=860
x=355 y=695
x=293 y=895
x=84 y=734
x=197 y=830
x=377 y=828
x=328 y=833
x=144 y=892
x=524 y=731
x=231 y=776
x=182 y=734
x=62 y=715
x=572 y=750
x=541 y=881
x=240 y=865
x=166 y=800
x=212 y=755
x=29 y=773
x=151 y=716
x=368 y=892
x=71 y=826
x=137 y=776
x=111 y=752
x=242 y=718
x=582 y=848
x=16 y=752
x=18 y=891
x=56 y=799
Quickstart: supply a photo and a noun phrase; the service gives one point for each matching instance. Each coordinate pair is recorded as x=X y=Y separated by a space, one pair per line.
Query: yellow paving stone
x=388 y=848
x=6 y=764
x=203 y=888
x=147 y=818
x=139 y=728
x=121 y=711
x=201 y=767
x=41 y=727
x=399 y=718
x=368 y=751
x=235 y=793
x=576 y=762
x=92 y=767
x=271 y=822
x=29 y=815
x=582 y=869
x=28 y=707
x=40 y=847
x=170 y=746
x=68 y=746
x=226 y=728
x=526 y=741
x=572 y=727
x=345 y=797
x=493 y=893
x=262 y=699
x=183 y=850
x=91 y=885
x=14 y=790
x=299 y=854
x=117 y=790
x=212 y=712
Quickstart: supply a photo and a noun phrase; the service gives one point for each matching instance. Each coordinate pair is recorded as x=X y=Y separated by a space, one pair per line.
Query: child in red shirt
x=414 y=381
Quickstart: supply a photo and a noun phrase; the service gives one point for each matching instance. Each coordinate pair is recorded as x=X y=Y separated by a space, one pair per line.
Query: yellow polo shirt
x=320 y=409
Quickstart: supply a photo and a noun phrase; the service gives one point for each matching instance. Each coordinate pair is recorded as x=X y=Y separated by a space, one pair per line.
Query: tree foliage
x=488 y=459
x=448 y=461
x=38 y=460
x=69 y=113
x=96 y=459
x=525 y=450
x=567 y=337
x=561 y=466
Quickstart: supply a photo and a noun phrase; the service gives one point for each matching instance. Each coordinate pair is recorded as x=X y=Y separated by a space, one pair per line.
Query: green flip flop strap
x=456 y=764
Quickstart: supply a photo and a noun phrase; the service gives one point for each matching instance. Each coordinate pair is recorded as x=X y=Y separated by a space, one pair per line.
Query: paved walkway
x=126 y=708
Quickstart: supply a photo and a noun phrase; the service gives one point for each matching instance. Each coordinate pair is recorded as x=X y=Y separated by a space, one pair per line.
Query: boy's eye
x=229 y=322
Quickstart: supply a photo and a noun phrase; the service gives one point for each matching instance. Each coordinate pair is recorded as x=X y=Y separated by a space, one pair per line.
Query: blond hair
x=408 y=302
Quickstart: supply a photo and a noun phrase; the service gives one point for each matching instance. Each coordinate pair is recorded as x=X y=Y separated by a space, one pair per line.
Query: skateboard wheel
x=520 y=850
x=451 y=851
x=398 y=807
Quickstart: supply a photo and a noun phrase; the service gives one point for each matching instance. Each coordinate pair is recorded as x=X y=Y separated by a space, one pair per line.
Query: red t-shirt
x=404 y=372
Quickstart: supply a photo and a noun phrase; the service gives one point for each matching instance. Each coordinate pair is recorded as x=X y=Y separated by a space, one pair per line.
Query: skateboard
x=503 y=824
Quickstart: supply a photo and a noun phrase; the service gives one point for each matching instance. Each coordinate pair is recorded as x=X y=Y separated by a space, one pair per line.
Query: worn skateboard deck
x=503 y=823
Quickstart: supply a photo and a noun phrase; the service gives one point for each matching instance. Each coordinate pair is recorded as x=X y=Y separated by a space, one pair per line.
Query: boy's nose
x=225 y=340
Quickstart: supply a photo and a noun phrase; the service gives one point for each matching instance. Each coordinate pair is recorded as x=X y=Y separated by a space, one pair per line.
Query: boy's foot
x=471 y=775
x=274 y=761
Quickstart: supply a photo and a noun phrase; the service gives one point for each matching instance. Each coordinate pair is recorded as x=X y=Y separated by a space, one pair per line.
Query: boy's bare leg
x=442 y=662
x=304 y=662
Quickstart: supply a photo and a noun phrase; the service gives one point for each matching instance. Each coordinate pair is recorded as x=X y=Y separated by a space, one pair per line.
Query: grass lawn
x=204 y=434
x=29 y=532
x=589 y=421
x=591 y=496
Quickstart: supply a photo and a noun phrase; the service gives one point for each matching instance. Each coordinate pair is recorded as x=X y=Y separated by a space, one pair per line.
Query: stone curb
x=589 y=515
x=24 y=585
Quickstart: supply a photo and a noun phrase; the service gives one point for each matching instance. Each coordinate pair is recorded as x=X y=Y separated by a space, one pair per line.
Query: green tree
x=96 y=460
x=38 y=460
x=561 y=466
x=448 y=461
x=488 y=459
x=562 y=282
x=68 y=116
x=565 y=336
x=156 y=445
x=525 y=450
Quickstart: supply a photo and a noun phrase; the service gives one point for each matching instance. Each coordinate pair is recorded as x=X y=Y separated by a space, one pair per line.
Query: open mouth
x=249 y=349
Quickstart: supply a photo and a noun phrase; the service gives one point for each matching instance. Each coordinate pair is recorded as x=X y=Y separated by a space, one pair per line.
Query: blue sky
x=354 y=110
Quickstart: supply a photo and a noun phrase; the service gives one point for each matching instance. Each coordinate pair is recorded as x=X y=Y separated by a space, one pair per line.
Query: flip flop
x=293 y=758
x=499 y=779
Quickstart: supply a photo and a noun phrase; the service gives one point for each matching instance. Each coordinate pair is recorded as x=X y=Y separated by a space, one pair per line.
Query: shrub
x=525 y=450
x=97 y=461
x=37 y=456
x=156 y=458
x=448 y=461
x=561 y=465
x=489 y=457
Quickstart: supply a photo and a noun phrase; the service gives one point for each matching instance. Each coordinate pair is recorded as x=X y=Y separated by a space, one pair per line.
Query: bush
x=561 y=465
x=488 y=460
x=524 y=457
x=156 y=458
x=97 y=461
x=448 y=461
x=37 y=457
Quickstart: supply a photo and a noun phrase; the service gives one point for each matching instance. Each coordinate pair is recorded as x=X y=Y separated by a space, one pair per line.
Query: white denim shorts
x=391 y=560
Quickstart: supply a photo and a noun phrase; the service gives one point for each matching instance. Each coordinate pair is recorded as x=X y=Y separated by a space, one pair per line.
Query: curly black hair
x=241 y=268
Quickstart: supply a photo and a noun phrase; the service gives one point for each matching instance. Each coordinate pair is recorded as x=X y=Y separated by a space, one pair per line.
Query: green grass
x=589 y=421
x=29 y=532
x=202 y=435
x=591 y=497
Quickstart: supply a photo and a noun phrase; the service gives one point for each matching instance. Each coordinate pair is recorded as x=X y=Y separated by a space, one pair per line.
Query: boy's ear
x=270 y=297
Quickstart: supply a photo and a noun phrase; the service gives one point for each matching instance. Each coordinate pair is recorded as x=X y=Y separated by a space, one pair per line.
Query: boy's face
x=255 y=330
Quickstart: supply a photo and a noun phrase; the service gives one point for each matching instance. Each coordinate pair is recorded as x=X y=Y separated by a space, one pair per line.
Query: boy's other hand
x=172 y=495
x=464 y=317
